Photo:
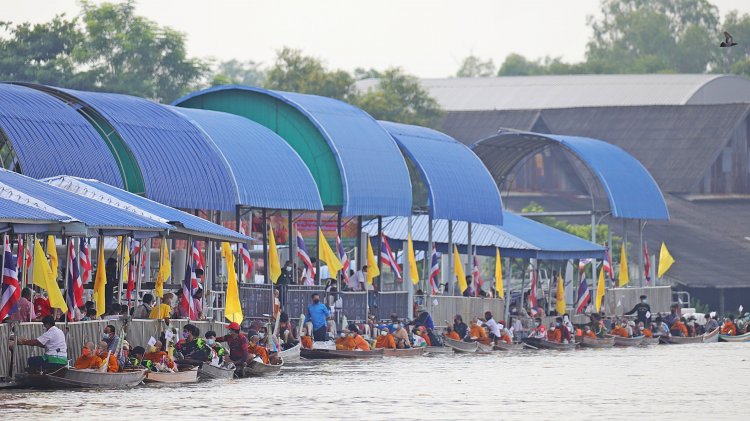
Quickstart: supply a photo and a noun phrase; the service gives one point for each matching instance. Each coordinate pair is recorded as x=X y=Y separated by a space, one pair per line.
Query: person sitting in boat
x=359 y=343
x=55 y=349
x=539 y=331
x=711 y=323
x=137 y=359
x=341 y=340
x=729 y=329
x=106 y=358
x=553 y=333
x=385 y=339
x=306 y=340
x=286 y=332
x=451 y=334
x=660 y=328
x=505 y=333
x=492 y=326
x=218 y=351
x=691 y=327
x=238 y=344
x=674 y=315
x=423 y=319
x=565 y=334
x=421 y=331
x=192 y=347
x=588 y=332
x=402 y=337
x=419 y=342
x=643 y=331
x=477 y=332
x=255 y=351
x=110 y=337
x=87 y=357
x=158 y=357
x=459 y=326
x=620 y=330
x=679 y=328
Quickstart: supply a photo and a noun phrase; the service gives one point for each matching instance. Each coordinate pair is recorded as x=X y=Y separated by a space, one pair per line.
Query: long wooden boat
x=66 y=378
x=737 y=338
x=589 y=342
x=188 y=375
x=258 y=369
x=336 y=354
x=291 y=355
x=485 y=348
x=712 y=336
x=461 y=346
x=651 y=341
x=681 y=340
x=628 y=342
x=406 y=352
x=438 y=350
x=545 y=344
x=503 y=346
x=208 y=371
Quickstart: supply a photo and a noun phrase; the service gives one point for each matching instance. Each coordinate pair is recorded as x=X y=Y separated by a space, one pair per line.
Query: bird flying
x=728 y=40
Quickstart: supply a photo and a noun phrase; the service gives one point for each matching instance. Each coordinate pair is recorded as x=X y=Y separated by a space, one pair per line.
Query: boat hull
x=503 y=346
x=462 y=347
x=183 y=376
x=335 y=354
x=68 y=378
x=681 y=340
x=738 y=338
x=588 y=342
x=628 y=342
x=650 y=341
x=439 y=350
x=407 y=352
x=544 y=344
x=208 y=371
x=256 y=369
x=291 y=355
x=712 y=336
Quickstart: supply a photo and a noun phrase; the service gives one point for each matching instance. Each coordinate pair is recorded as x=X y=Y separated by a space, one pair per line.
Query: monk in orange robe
x=679 y=328
x=385 y=340
x=450 y=333
x=306 y=341
x=88 y=357
x=728 y=329
x=256 y=350
x=588 y=332
x=478 y=334
x=101 y=351
x=157 y=356
x=554 y=334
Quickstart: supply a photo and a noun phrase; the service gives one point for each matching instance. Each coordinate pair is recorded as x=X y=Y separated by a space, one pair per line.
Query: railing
x=396 y=302
x=354 y=305
x=297 y=297
x=444 y=308
x=256 y=300
x=659 y=299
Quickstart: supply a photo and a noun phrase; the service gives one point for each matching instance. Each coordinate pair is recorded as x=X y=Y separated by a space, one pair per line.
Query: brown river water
x=678 y=382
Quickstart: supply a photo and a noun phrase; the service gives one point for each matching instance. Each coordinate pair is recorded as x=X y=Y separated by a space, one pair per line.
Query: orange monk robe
x=340 y=343
x=453 y=335
x=619 y=331
x=360 y=343
x=647 y=333
x=159 y=357
x=385 y=341
x=729 y=329
x=88 y=362
x=307 y=342
x=590 y=334
x=112 y=367
x=259 y=351
x=506 y=338
x=348 y=344
x=678 y=326
x=554 y=335
x=426 y=338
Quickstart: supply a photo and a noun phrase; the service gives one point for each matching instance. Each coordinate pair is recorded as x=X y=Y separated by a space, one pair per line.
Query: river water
x=685 y=382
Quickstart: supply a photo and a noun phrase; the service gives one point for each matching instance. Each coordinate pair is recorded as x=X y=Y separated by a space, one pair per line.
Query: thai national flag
x=73 y=283
x=247 y=261
x=434 y=270
x=387 y=257
x=186 y=302
x=584 y=296
x=647 y=264
x=478 y=281
x=11 y=288
x=198 y=263
x=131 y=267
x=608 y=264
x=532 y=292
x=343 y=258
x=84 y=260
x=302 y=254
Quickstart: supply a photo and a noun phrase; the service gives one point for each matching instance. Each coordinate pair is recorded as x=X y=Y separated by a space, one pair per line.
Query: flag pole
x=407 y=279
x=266 y=277
x=640 y=254
x=428 y=258
x=451 y=283
x=137 y=269
x=339 y=230
x=317 y=249
x=470 y=257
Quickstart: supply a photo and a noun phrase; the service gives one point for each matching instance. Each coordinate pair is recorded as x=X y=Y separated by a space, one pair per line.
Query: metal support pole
x=625 y=240
x=428 y=258
x=380 y=252
x=317 y=249
x=188 y=267
x=361 y=251
x=66 y=241
x=470 y=259
x=291 y=243
x=593 y=240
x=266 y=277
x=640 y=255
x=451 y=282
x=407 y=279
x=121 y=263
x=509 y=293
x=137 y=274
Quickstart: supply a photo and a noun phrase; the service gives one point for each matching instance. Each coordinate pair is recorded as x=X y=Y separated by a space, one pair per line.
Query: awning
x=518 y=237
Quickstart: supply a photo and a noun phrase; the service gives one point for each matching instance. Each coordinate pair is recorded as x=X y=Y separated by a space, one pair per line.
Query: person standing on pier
x=318 y=314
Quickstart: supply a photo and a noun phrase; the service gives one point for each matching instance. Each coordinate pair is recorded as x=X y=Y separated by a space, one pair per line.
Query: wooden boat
x=336 y=354
x=737 y=338
x=291 y=355
x=503 y=346
x=589 y=342
x=187 y=375
x=461 y=346
x=485 y=348
x=650 y=341
x=545 y=344
x=406 y=352
x=627 y=342
x=712 y=336
x=438 y=350
x=208 y=371
x=258 y=369
x=681 y=340
x=66 y=378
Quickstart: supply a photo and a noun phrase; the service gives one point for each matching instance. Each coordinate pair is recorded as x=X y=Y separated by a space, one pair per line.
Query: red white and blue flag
x=532 y=292
x=387 y=257
x=344 y=259
x=608 y=264
x=647 y=264
x=247 y=261
x=198 y=263
x=84 y=260
x=477 y=278
x=73 y=283
x=434 y=270
x=304 y=256
x=11 y=288
x=133 y=248
x=186 y=302
x=584 y=296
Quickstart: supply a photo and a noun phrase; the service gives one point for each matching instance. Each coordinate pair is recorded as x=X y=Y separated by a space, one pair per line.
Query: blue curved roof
x=631 y=191
x=268 y=173
x=179 y=165
x=459 y=186
x=43 y=130
x=373 y=172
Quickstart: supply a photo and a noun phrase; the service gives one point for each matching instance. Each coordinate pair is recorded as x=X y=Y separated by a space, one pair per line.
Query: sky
x=428 y=38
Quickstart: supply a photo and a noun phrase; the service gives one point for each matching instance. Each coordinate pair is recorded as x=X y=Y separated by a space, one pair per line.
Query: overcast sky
x=426 y=37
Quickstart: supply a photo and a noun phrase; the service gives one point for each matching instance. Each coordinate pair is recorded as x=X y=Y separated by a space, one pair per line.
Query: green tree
x=473 y=66
x=399 y=97
x=238 y=72
x=735 y=59
x=294 y=72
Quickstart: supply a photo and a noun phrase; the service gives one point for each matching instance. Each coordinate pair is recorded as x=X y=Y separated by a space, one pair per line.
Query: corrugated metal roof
x=180 y=167
x=518 y=237
x=565 y=91
x=268 y=173
x=469 y=126
x=458 y=184
x=12 y=211
x=92 y=213
x=50 y=138
x=374 y=174
x=143 y=207
x=630 y=189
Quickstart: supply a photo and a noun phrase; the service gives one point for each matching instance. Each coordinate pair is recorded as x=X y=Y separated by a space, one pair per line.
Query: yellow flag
x=372 y=264
x=274 y=265
x=165 y=269
x=326 y=254
x=233 y=310
x=600 y=290
x=44 y=278
x=624 y=274
x=665 y=260
x=458 y=270
x=560 y=298
x=52 y=254
x=100 y=281
x=413 y=271
x=499 y=274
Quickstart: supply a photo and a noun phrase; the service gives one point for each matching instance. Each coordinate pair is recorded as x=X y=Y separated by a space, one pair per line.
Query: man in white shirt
x=55 y=349
x=492 y=325
x=359 y=280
